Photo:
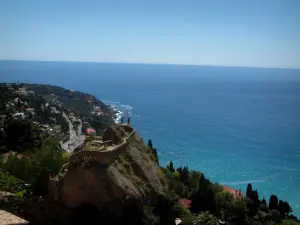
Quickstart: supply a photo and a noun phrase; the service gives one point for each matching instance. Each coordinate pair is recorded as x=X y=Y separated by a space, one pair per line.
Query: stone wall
x=102 y=157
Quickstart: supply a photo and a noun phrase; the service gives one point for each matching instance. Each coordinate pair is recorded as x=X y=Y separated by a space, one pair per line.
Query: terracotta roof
x=235 y=192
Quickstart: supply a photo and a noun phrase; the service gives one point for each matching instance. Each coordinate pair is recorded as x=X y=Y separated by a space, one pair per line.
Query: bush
x=206 y=219
x=239 y=209
x=183 y=213
x=275 y=215
x=290 y=222
x=29 y=166
x=10 y=183
x=65 y=157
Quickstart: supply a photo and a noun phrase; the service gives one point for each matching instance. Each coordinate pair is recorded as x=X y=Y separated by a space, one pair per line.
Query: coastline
x=118 y=110
x=116 y=114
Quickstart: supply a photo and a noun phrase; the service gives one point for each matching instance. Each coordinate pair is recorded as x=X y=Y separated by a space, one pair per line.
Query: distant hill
x=82 y=104
x=32 y=112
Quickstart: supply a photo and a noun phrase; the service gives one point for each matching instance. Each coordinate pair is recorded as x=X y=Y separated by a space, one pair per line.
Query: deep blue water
x=237 y=125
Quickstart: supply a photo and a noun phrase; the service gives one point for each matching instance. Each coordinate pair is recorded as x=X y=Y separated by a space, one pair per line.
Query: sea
x=236 y=125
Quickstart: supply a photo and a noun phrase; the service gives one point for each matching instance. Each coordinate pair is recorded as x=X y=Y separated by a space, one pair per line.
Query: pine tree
x=263 y=201
x=171 y=167
x=249 y=191
x=150 y=143
x=273 y=203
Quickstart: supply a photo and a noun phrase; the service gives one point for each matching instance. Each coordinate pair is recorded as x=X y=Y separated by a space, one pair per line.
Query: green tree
x=205 y=218
x=171 y=167
x=193 y=180
x=183 y=213
x=29 y=166
x=224 y=201
x=263 y=201
x=183 y=174
x=249 y=191
x=284 y=208
x=40 y=187
x=204 y=198
x=275 y=215
x=154 y=151
x=150 y=143
x=239 y=210
x=273 y=202
x=264 y=208
x=10 y=183
x=64 y=125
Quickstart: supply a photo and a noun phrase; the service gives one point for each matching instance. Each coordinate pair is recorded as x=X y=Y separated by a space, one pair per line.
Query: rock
x=116 y=188
x=7 y=218
x=111 y=133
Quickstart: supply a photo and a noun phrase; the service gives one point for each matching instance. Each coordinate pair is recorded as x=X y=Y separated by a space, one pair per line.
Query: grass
x=161 y=176
x=290 y=222
x=65 y=157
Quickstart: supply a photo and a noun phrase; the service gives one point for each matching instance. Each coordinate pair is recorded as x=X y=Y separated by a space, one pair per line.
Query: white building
x=97 y=109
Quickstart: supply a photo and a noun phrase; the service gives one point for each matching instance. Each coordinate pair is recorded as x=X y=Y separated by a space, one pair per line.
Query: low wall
x=102 y=157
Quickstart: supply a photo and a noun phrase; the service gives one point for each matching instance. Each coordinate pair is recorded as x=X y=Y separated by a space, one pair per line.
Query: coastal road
x=74 y=140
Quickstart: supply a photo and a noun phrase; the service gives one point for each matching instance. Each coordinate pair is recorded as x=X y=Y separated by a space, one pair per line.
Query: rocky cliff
x=121 y=184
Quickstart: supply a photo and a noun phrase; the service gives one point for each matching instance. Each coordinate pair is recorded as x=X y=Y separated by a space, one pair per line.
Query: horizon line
x=149 y=63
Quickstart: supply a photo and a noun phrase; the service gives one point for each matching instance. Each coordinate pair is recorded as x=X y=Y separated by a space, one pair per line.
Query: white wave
x=110 y=102
x=128 y=107
x=120 y=109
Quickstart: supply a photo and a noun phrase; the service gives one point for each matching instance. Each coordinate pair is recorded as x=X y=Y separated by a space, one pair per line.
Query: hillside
x=122 y=181
x=113 y=178
x=81 y=104
x=30 y=113
x=116 y=179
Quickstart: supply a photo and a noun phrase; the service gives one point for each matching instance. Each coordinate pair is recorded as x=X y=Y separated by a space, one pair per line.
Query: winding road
x=75 y=140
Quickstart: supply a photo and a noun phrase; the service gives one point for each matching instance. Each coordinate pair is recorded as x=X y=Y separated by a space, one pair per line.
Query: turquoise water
x=237 y=125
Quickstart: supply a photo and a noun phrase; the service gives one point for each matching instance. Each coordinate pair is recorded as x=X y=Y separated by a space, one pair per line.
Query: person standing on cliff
x=128 y=121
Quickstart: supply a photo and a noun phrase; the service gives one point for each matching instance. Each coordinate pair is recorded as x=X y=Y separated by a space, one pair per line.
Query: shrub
x=206 y=219
x=290 y=222
x=65 y=157
x=183 y=213
x=10 y=183
x=29 y=166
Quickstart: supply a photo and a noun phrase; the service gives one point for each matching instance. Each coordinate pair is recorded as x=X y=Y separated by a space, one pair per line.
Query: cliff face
x=115 y=184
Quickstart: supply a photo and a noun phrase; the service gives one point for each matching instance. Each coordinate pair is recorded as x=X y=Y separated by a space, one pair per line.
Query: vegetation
x=290 y=222
x=78 y=103
x=10 y=183
x=209 y=201
x=28 y=160
x=29 y=165
x=205 y=218
x=19 y=135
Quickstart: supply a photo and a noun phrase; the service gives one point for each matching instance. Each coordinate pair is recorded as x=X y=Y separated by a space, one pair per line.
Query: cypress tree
x=150 y=143
x=249 y=191
x=273 y=202
x=171 y=167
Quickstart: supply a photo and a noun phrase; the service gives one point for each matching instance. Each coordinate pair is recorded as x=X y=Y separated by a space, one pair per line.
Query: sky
x=258 y=33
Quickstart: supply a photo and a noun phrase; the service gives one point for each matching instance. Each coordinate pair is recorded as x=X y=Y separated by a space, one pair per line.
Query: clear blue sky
x=262 y=33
